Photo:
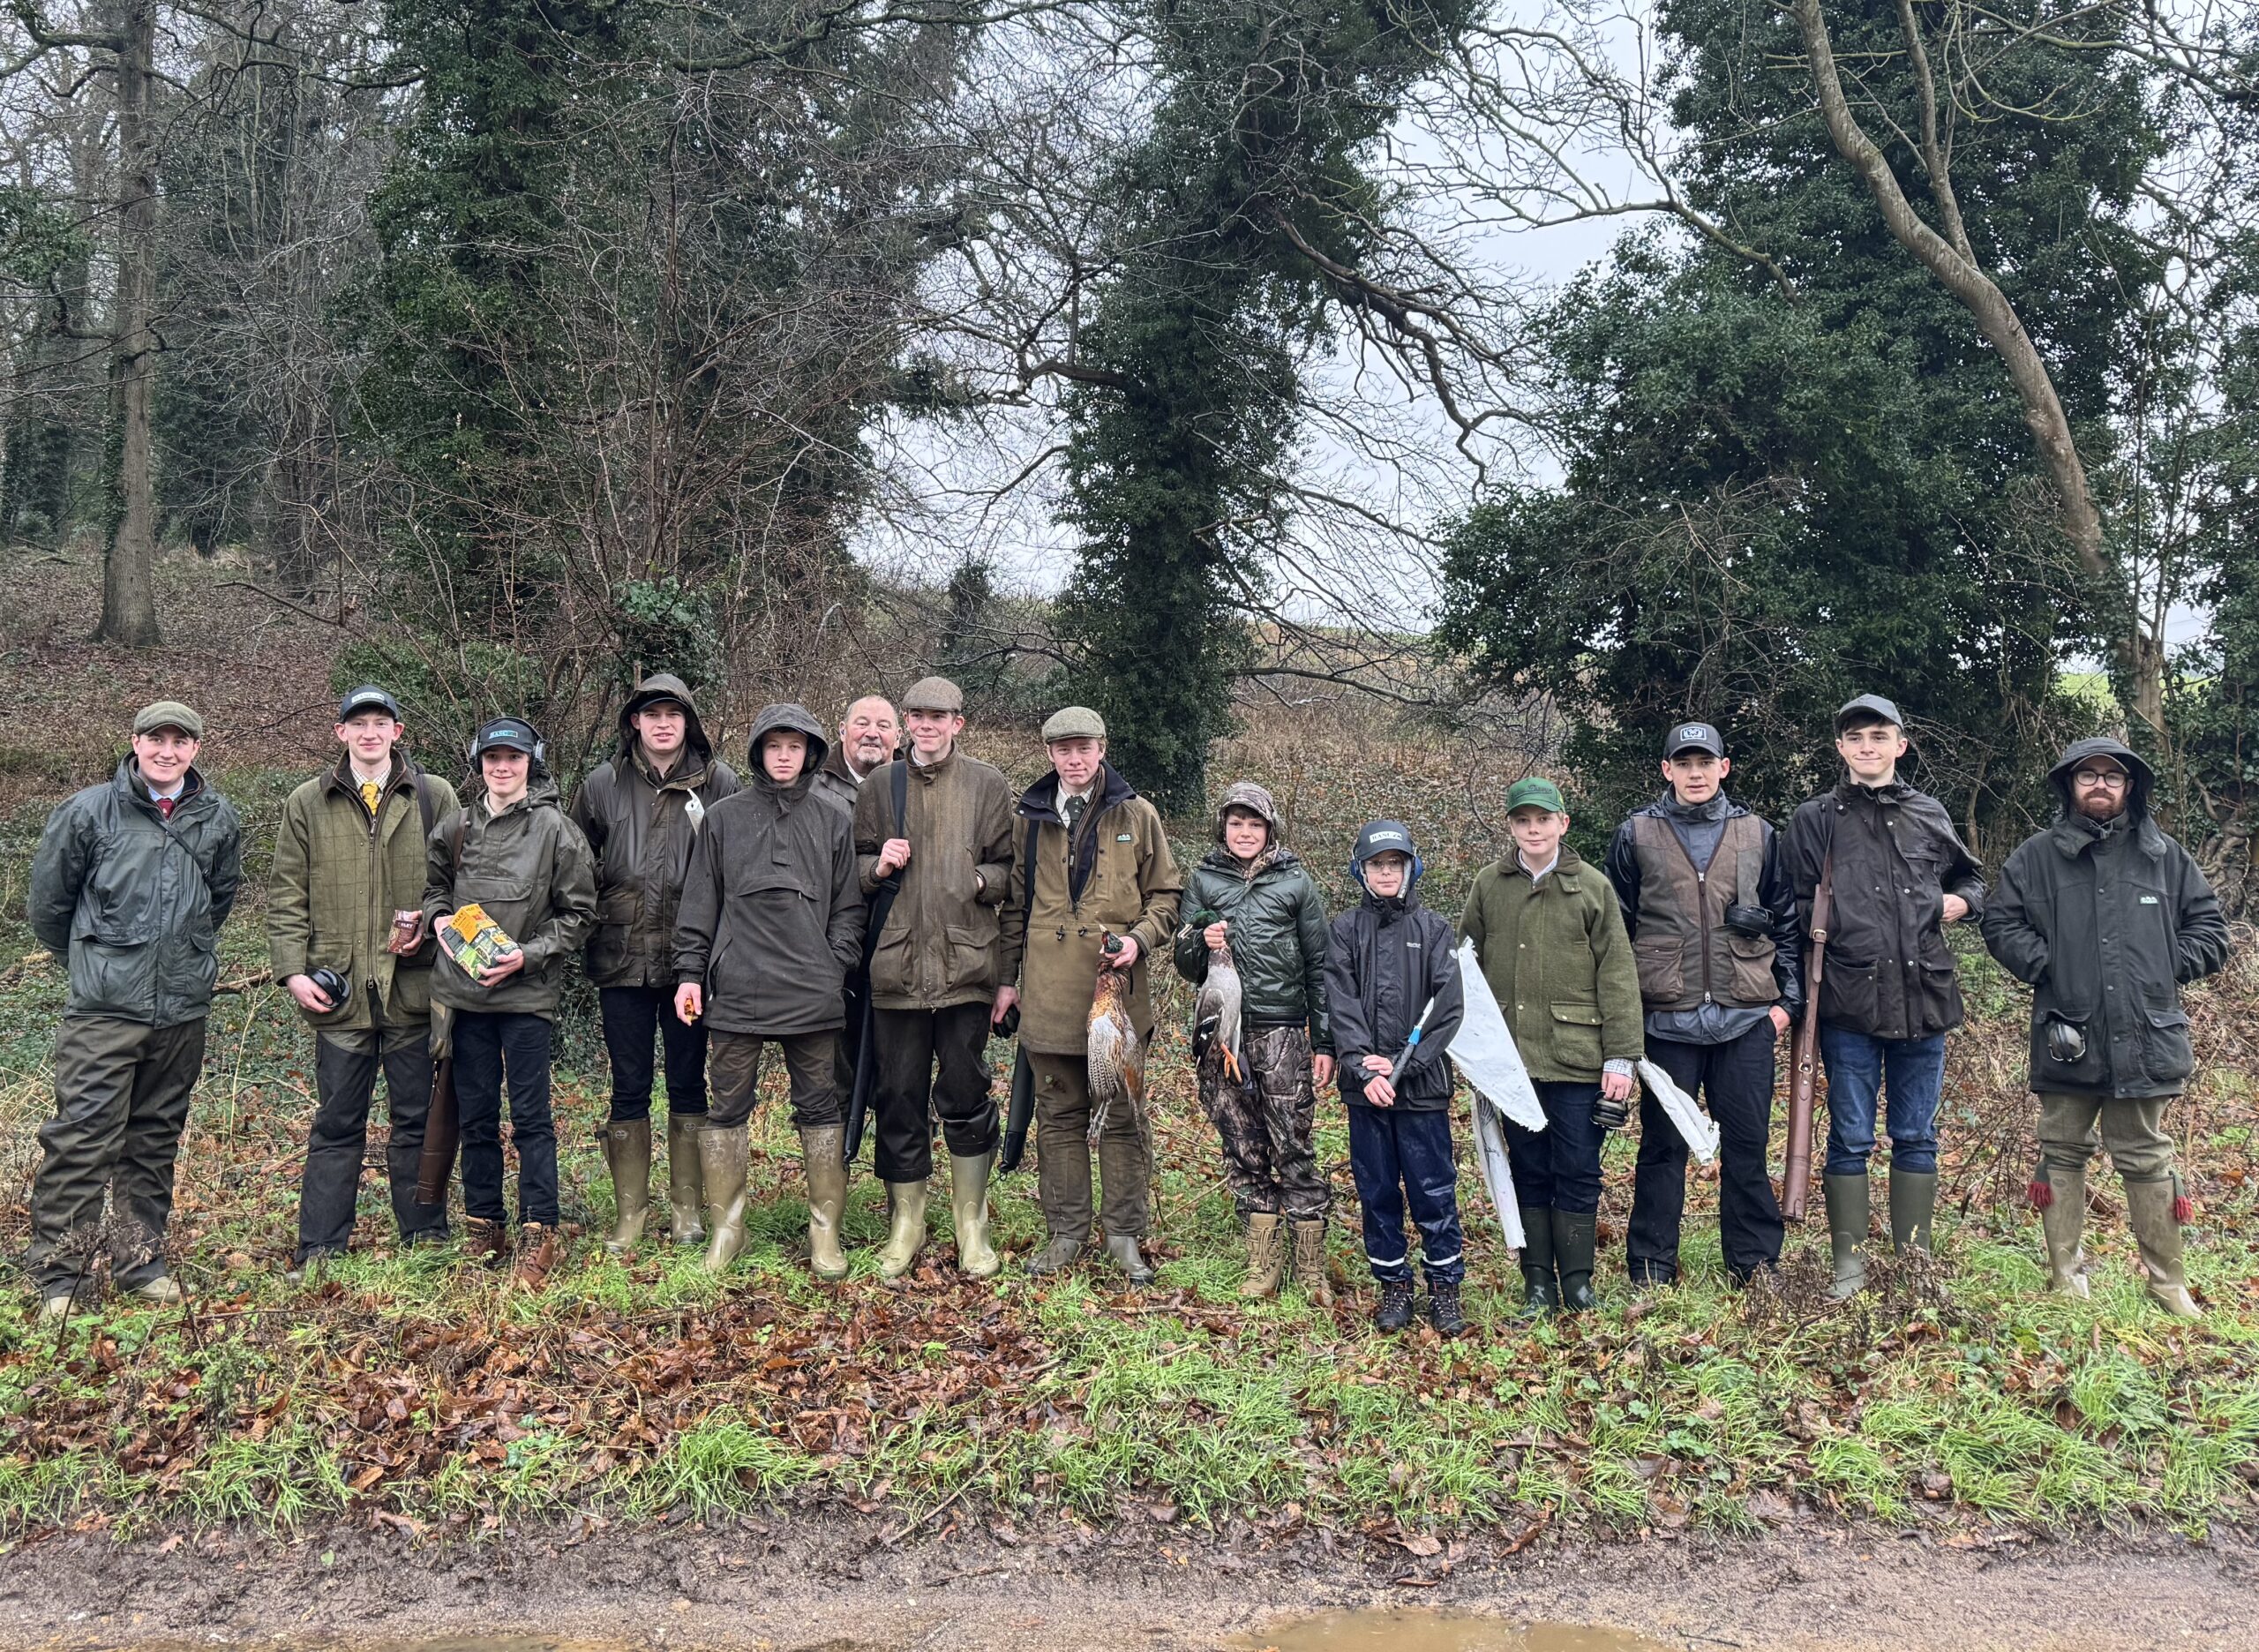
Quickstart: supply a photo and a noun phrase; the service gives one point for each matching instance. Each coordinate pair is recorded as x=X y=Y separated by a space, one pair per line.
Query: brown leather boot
x=485 y=1242
x=537 y=1255
x=1309 y=1260
x=1266 y=1256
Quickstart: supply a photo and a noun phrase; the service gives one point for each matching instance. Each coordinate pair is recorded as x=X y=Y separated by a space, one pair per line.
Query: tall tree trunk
x=2140 y=653
x=129 y=565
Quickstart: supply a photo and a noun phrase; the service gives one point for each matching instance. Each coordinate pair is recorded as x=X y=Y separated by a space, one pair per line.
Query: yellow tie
x=370 y=790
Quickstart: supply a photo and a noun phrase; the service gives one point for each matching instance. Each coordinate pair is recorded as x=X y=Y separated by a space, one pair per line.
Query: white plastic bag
x=1483 y=1050
x=1700 y=1128
x=1497 y=1175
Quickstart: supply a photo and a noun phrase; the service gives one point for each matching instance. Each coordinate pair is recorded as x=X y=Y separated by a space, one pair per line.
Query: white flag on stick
x=1700 y=1128
x=1483 y=1050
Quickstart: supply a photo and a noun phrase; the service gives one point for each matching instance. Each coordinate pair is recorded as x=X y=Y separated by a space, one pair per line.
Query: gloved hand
x=1612 y=1115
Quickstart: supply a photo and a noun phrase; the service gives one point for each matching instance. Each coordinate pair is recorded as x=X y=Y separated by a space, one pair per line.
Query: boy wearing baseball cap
x=1551 y=937
x=513 y=851
x=346 y=900
x=130 y=884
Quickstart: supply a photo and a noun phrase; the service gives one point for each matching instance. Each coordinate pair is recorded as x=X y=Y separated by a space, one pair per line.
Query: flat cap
x=1868 y=708
x=933 y=693
x=367 y=697
x=1074 y=721
x=1693 y=736
x=168 y=714
x=1536 y=792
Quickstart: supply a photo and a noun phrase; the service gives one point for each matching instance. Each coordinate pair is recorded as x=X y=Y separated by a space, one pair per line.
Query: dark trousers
x=1402 y=1154
x=910 y=1045
x=346 y=1064
x=735 y=1064
x=1559 y=1165
x=632 y=1017
x=1734 y=1081
x=120 y=1102
x=487 y=1047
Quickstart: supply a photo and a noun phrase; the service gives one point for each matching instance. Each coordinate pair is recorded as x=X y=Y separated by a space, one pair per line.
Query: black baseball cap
x=1868 y=708
x=1693 y=736
x=515 y=733
x=367 y=697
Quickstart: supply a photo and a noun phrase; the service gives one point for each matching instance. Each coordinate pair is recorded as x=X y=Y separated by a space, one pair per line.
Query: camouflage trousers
x=1266 y=1125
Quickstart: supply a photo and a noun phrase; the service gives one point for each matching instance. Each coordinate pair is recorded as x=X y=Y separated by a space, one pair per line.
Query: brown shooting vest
x=1686 y=955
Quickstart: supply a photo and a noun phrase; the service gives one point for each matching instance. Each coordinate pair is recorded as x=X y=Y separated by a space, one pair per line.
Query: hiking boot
x=686 y=1180
x=1309 y=1260
x=976 y=1257
x=485 y=1242
x=628 y=1156
x=2063 y=1221
x=1266 y=1256
x=537 y=1256
x=1122 y=1249
x=2152 y=1211
x=1913 y=1208
x=905 y=1233
x=1395 y=1310
x=722 y=1166
x=1444 y=1310
x=1576 y=1236
x=823 y=1161
x=1055 y=1258
x=1848 y=1205
x=1540 y=1291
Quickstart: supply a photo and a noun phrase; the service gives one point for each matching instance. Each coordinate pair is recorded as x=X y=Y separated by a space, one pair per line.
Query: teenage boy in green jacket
x=1550 y=933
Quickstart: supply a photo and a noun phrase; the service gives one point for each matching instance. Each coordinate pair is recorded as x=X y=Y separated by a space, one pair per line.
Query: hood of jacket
x=796 y=719
x=1040 y=802
x=2142 y=778
x=662 y=686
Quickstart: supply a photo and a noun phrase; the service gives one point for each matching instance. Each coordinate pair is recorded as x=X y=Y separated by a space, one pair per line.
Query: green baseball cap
x=1535 y=792
x=168 y=714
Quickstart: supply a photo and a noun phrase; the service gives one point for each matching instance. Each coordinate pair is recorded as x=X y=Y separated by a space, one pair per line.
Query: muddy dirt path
x=823 y=1581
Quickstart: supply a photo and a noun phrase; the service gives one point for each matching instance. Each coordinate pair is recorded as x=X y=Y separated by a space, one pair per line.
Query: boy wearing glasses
x=2105 y=916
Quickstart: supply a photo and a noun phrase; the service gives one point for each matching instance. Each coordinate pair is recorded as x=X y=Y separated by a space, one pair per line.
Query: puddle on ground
x=1403 y=1630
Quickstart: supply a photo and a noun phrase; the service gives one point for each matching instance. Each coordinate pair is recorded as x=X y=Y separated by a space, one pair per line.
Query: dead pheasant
x=1116 y=1058
x=1216 y=1016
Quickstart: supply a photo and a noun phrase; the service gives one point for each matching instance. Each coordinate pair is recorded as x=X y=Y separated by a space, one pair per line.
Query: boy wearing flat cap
x=130 y=884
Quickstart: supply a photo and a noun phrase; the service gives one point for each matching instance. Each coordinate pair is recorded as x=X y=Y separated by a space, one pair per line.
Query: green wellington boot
x=722 y=1163
x=906 y=1227
x=823 y=1161
x=2062 y=1220
x=1540 y=1288
x=1849 y=1205
x=1576 y=1236
x=976 y=1257
x=2157 y=1229
x=685 y=1182
x=628 y=1156
x=1913 y=1209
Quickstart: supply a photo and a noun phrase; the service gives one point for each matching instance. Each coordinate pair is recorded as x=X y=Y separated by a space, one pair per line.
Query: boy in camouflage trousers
x=1252 y=908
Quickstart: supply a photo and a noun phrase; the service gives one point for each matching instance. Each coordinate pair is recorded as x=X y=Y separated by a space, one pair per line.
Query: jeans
x=1402 y=1154
x=346 y=1064
x=908 y=1044
x=1558 y=1166
x=488 y=1045
x=1908 y=1074
x=633 y=1015
x=1735 y=1083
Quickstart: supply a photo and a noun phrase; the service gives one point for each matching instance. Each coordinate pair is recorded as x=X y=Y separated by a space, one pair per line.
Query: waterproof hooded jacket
x=641 y=824
x=1114 y=874
x=1386 y=961
x=1278 y=936
x=531 y=870
x=2105 y=921
x=340 y=872
x=772 y=913
x=133 y=901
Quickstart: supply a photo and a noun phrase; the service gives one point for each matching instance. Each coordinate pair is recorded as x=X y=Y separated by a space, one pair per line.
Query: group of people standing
x=879 y=906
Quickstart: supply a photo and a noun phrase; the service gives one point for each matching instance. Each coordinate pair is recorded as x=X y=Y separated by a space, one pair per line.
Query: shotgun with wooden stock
x=1796 y=1178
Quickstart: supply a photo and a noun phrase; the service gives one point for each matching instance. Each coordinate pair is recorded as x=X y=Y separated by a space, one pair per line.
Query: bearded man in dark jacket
x=640 y=811
x=2107 y=917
